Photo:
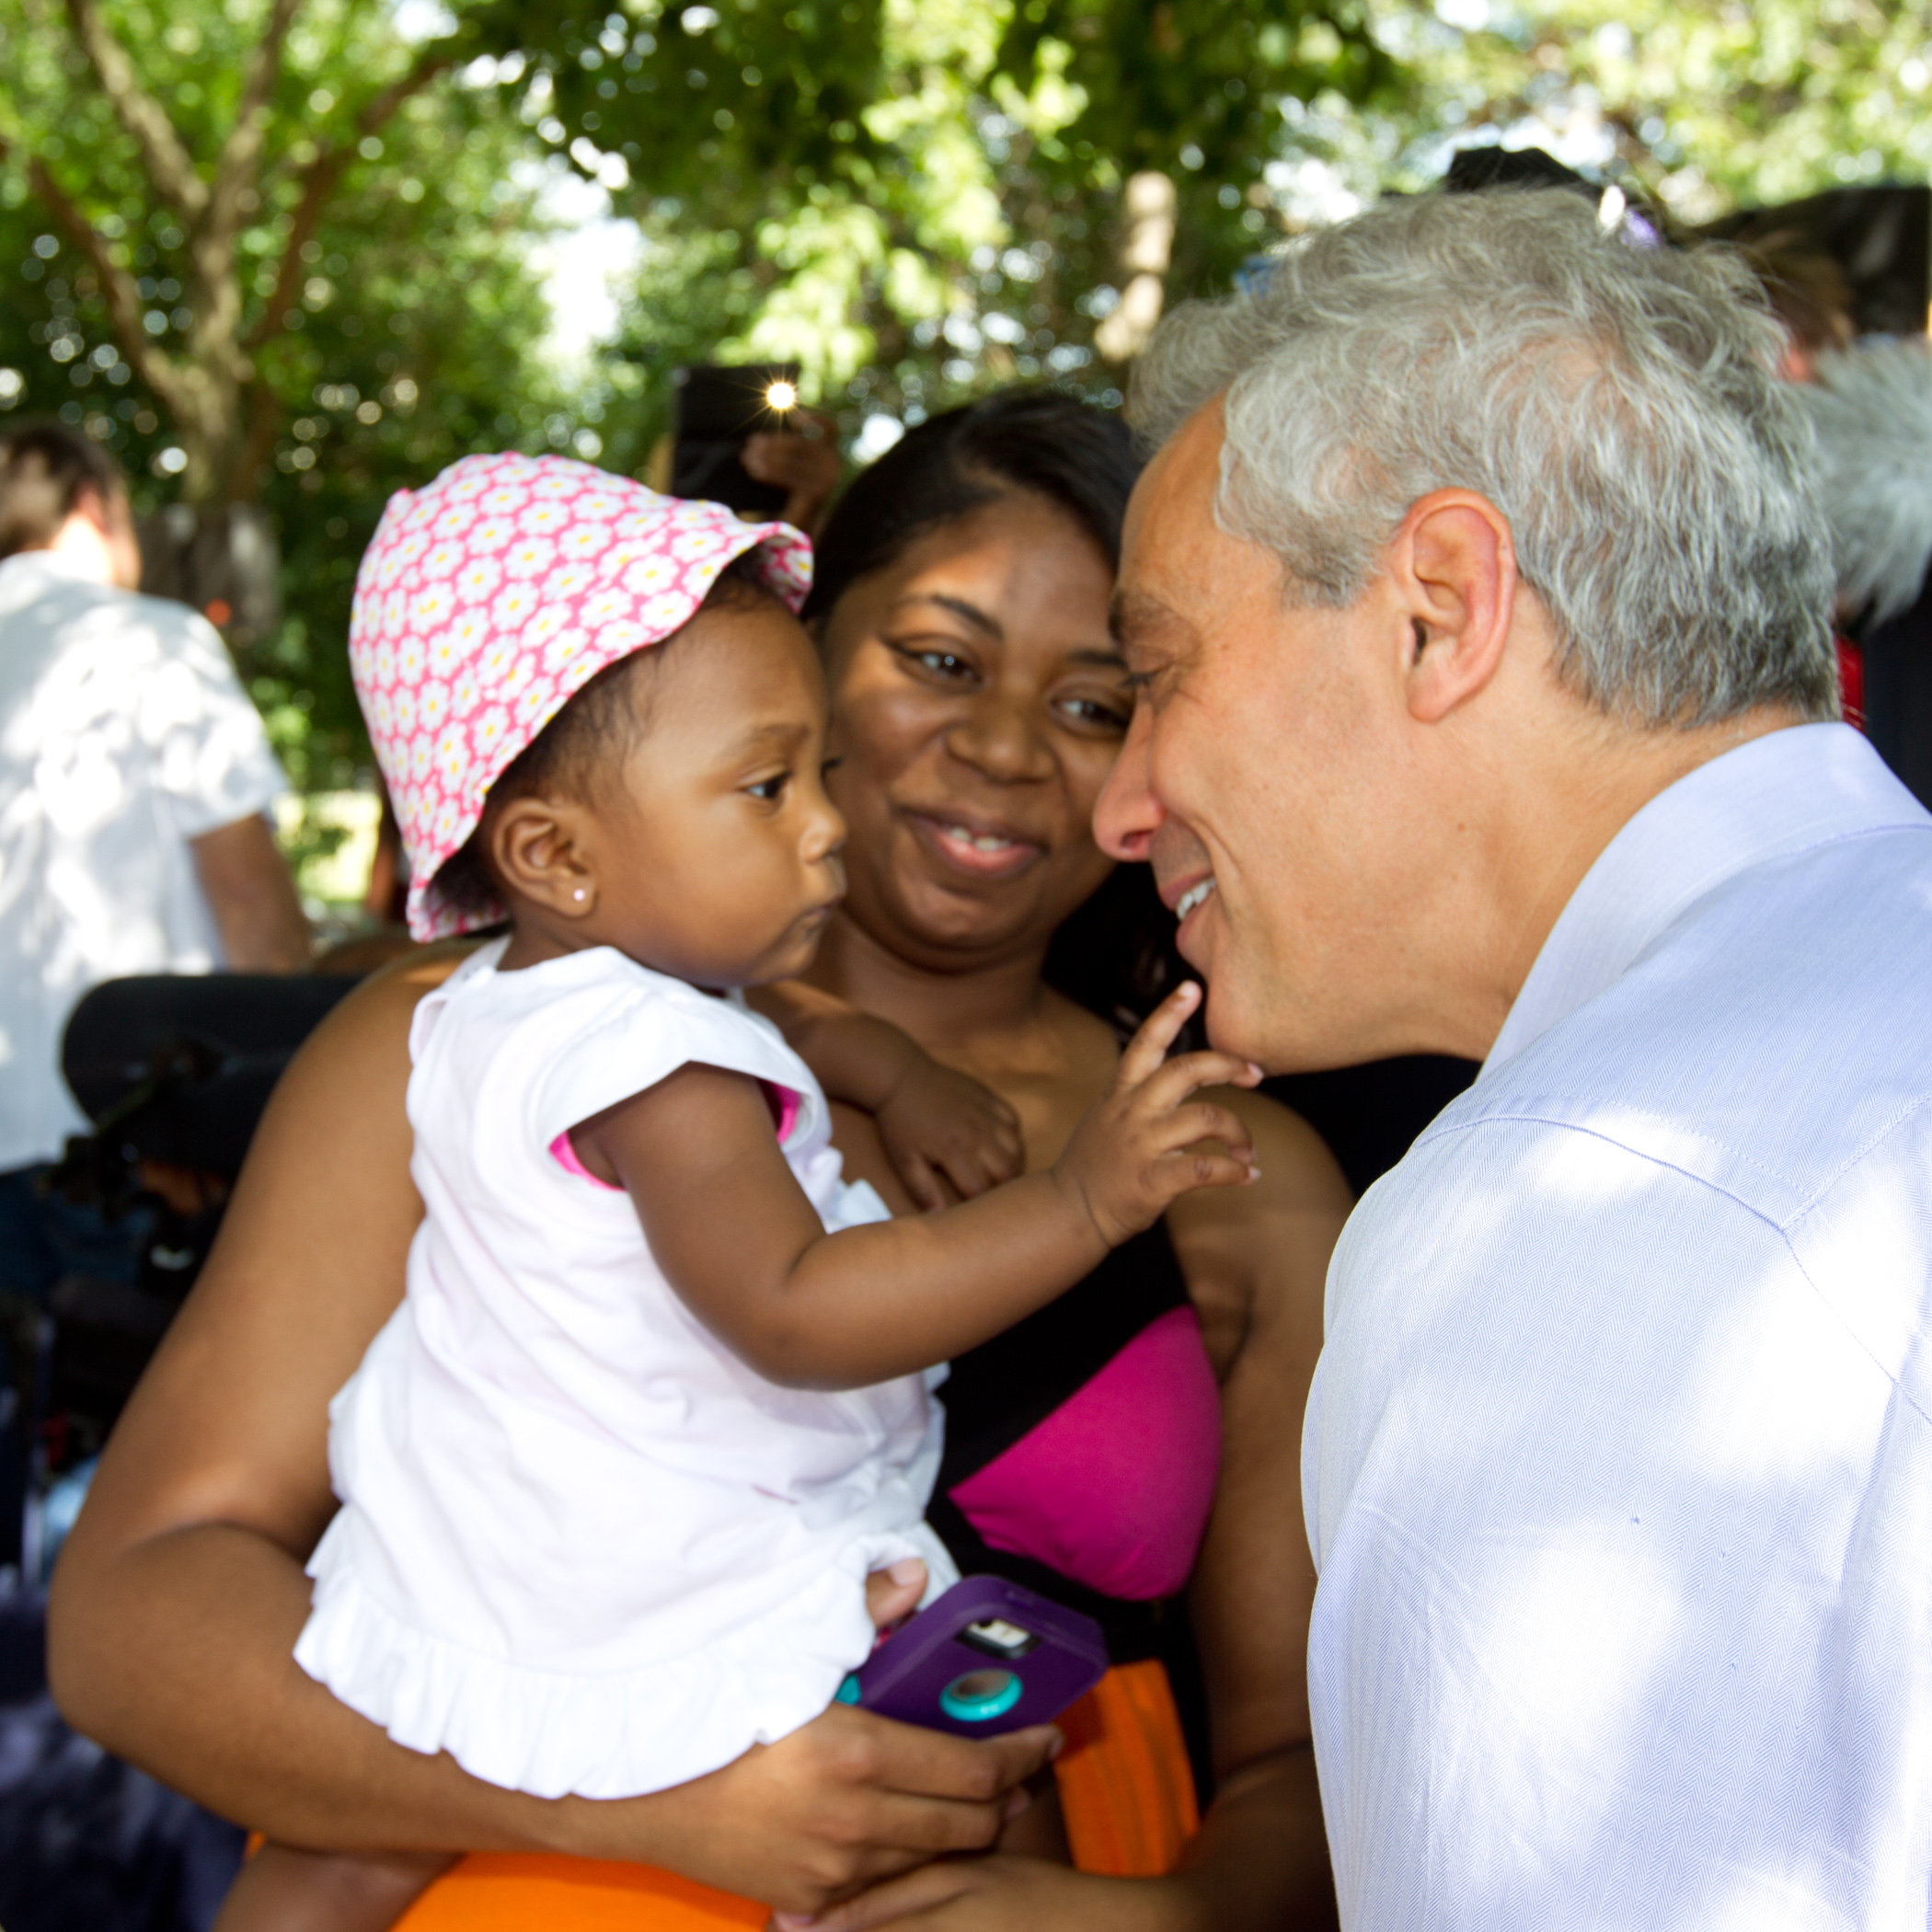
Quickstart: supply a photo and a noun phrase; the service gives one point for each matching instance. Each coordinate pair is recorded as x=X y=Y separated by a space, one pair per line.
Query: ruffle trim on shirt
x=619 y=1734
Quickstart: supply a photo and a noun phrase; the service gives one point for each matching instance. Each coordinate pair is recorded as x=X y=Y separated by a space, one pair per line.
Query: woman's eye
x=1107 y=717
x=946 y=664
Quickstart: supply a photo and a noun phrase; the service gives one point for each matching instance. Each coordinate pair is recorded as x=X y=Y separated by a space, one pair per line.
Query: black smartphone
x=717 y=406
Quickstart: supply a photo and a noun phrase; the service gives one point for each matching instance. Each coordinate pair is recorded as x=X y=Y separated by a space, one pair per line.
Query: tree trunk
x=1145 y=250
x=224 y=417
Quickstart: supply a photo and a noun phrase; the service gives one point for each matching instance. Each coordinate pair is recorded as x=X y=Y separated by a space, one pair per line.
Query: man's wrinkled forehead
x=1169 y=554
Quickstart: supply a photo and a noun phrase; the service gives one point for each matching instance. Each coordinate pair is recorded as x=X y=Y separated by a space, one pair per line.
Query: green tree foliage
x=381 y=300
x=292 y=205
x=1706 y=106
x=918 y=197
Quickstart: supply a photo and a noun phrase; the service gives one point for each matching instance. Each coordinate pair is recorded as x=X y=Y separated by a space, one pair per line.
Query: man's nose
x=1127 y=814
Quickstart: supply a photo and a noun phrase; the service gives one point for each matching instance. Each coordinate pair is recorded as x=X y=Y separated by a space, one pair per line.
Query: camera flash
x=781 y=396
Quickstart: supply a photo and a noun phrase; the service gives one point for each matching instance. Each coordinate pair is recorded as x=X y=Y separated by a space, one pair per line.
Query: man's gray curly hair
x=1618 y=405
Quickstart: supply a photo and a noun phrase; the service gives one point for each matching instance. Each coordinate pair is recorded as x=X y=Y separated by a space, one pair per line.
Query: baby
x=657 y=1398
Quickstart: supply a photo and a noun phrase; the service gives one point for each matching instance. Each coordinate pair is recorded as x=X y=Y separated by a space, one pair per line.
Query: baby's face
x=718 y=850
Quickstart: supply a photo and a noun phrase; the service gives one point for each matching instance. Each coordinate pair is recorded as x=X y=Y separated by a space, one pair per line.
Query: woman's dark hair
x=1115 y=955
x=1024 y=441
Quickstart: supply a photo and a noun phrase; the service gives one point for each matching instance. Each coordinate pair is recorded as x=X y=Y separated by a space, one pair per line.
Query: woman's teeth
x=1194 y=896
x=981 y=841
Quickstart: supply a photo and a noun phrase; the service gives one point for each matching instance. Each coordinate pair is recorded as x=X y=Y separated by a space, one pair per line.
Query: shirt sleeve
x=642 y=1035
x=211 y=762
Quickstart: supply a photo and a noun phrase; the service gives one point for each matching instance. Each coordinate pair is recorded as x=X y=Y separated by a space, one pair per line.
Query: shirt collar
x=49 y=563
x=1776 y=795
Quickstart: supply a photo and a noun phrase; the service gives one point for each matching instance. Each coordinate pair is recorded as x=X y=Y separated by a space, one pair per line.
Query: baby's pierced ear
x=538 y=849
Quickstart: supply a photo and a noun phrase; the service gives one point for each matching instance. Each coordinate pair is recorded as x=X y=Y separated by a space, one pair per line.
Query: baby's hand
x=936 y=1123
x=1136 y=1151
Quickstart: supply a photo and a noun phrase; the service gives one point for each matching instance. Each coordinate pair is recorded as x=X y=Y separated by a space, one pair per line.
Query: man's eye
x=770 y=789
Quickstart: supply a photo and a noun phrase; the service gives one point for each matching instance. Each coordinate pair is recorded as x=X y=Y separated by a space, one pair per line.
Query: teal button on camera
x=981 y=1695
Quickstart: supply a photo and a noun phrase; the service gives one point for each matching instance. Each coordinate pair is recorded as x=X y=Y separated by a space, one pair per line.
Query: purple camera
x=986 y=1657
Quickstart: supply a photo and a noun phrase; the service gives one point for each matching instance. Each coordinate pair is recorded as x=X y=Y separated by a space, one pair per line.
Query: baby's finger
x=1005 y=1155
x=1149 y=1047
x=1207 y=1121
x=921 y=1182
x=1177 y=1174
x=966 y=1171
x=1171 y=1082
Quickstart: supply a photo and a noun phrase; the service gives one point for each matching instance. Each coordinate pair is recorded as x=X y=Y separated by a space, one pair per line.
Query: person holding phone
x=1153 y=1428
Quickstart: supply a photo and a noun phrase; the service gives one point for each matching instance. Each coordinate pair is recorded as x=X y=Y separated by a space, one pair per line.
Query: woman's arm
x=1256 y=1261
x=1261 y=1858
x=179 y=1598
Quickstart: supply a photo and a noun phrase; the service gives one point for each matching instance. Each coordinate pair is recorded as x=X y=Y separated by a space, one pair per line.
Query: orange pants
x=1125 y=1790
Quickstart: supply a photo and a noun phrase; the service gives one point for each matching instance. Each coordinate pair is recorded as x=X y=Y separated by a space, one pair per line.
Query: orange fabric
x=517 y=1891
x=1125 y=1789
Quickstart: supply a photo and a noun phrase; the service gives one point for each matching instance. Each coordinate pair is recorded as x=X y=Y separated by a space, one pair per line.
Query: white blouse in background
x=124 y=736
x=1617 y=1466
x=583 y=1547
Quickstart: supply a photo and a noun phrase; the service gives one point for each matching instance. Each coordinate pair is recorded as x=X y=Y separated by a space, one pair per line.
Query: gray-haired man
x=1478 y=603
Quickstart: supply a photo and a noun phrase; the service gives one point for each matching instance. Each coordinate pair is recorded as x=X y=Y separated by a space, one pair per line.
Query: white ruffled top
x=583 y=1548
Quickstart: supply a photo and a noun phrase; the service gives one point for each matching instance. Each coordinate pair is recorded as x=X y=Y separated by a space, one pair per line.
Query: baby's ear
x=538 y=850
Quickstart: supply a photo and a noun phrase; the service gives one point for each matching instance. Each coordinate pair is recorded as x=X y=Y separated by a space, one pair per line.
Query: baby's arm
x=939 y=1127
x=739 y=1242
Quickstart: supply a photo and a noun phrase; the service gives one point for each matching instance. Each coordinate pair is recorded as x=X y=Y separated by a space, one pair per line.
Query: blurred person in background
x=1871 y=408
x=133 y=778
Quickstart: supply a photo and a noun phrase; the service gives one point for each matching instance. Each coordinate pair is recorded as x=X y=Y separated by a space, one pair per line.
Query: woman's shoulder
x=1297 y=1166
x=371 y=1024
x=1253 y=1253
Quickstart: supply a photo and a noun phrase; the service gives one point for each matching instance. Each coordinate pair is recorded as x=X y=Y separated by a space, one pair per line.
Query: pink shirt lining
x=783 y=1099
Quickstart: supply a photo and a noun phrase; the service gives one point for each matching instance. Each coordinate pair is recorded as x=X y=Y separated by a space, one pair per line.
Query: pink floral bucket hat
x=490 y=597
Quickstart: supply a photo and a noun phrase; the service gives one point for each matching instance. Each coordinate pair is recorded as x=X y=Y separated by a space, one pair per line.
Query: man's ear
x=1452 y=565
x=540 y=848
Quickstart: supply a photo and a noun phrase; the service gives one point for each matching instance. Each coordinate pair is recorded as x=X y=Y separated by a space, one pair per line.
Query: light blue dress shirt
x=1617 y=1465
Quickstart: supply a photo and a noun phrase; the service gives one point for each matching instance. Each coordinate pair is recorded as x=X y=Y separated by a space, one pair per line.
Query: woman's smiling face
x=977 y=705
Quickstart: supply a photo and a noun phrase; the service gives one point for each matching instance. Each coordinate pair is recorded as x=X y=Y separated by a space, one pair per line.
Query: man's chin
x=1257 y=1021
x=1235 y=1025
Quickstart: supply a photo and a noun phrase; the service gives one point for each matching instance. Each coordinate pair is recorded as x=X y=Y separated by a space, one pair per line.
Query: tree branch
x=241 y=152
x=170 y=165
x=154 y=367
x=319 y=178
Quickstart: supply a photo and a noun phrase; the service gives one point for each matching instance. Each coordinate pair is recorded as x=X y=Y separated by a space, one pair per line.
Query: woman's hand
x=1003 y=1893
x=846 y=1802
x=935 y=1122
x=1142 y=1148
